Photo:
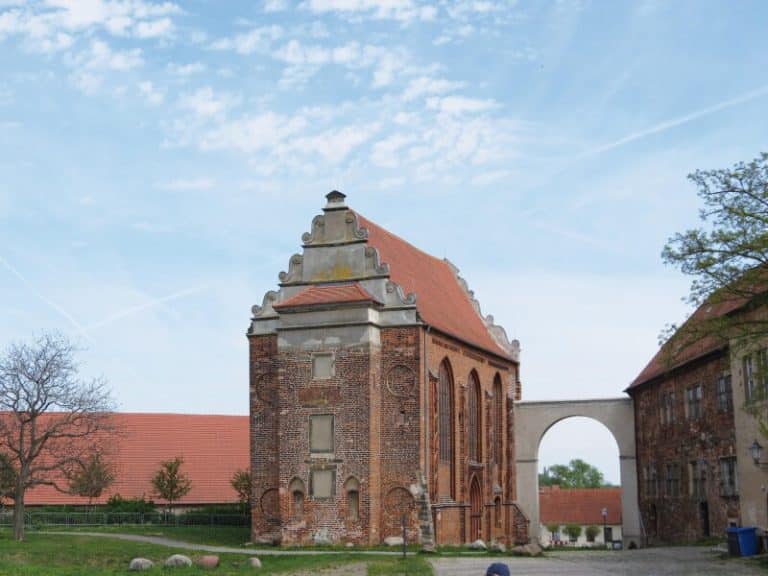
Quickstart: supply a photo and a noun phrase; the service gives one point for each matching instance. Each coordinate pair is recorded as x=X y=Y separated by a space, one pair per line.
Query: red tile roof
x=441 y=300
x=328 y=294
x=579 y=505
x=213 y=448
x=667 y=358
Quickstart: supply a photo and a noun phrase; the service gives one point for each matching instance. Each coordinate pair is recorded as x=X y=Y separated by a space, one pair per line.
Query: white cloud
x=184 y=70
x=275 y=5
x=386 y=152
x=205 y=103
x=256 y=40
x=161 y=28
x=334 y=145
x=100 y=56
x=251 y=134
x=400 y=10
x=456 y=105
x=152 y=96
x=427 y=86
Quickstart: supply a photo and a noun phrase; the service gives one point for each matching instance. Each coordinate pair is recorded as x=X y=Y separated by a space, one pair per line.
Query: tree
x=7 y=479
x=242 y=483
x=591 y=532
x=170 y=483
x=573 y=531
x=50 y=419
x=577 y=474
x=91 y=478
x=728 y=256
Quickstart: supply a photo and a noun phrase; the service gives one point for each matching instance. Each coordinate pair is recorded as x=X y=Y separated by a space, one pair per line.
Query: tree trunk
x=18 y=514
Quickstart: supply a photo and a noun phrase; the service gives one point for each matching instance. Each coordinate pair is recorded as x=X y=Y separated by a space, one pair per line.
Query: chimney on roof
x=335 y=201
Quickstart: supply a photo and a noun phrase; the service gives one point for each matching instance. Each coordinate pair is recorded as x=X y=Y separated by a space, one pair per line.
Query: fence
x=42 y=519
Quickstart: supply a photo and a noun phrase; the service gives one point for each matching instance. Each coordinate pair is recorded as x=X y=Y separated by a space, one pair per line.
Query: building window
x=650 y=482
x=668 y=408
x=693 y=402
x=729 y=485
x=475 y=419
x=445 y=413
x=321 y=434
x=497 y=511
x=672 y=481
x=724 y=393
x=498 y=420
x=352 y=489
x=322 y=366
x=323 y=483
x=297 y=498
x=697 y=471
x=755 y=368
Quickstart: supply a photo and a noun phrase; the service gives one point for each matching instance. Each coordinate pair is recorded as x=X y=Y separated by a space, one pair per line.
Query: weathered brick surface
x=679 y=519
x=377 y=396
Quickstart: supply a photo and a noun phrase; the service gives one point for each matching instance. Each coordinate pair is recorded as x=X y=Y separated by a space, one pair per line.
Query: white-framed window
x=724 y=393
x=697 y=472
x=693 y=402
x=672 y=486
x=668 y=407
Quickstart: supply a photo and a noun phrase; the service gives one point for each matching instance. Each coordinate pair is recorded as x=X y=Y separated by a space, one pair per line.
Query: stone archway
x=533 y=419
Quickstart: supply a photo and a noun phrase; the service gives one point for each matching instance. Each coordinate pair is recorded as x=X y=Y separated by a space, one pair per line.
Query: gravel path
x=677 y=561
x=170 y=542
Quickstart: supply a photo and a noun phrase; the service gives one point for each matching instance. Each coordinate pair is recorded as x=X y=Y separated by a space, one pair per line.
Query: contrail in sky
x=42 y=296
x=663 y=126
x=138 y=308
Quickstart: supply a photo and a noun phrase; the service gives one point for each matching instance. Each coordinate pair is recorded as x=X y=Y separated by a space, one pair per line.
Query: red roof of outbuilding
x=441 y=300
x=328 y=294
x=213 y=448
x=581 y=506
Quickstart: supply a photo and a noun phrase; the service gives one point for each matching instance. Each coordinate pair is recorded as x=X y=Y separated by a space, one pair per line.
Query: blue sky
x=160 y=161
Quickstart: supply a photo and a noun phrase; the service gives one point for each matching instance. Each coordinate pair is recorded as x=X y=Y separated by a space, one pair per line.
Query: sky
x=159 y=162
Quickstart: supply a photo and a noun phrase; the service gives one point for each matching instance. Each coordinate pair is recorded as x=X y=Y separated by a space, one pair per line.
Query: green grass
x=234 y=536
x=64 y=555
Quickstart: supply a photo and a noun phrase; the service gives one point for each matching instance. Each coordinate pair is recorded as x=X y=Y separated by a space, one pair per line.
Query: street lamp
x=756 y=451
x=604 y=513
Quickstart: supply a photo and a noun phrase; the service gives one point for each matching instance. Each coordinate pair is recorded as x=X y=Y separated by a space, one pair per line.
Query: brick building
x=686 y=438
x=379 y=393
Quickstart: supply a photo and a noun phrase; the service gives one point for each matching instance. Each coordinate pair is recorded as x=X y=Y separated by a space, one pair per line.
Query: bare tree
x=51 y=419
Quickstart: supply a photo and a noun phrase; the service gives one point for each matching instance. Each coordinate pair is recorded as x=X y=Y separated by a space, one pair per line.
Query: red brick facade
x=343 y=350
x=680 y=448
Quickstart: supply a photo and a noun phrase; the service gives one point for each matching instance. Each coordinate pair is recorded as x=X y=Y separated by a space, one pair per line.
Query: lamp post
x=604 y=513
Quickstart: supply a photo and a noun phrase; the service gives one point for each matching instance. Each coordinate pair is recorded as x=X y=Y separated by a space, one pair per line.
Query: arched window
x=475 y=418
x=445 y=412
x=297 y=498
x=352 y=489
x=498 y=419
x=497 y=511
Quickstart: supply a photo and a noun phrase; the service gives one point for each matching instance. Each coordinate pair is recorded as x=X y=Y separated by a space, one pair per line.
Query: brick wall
x=681 y=518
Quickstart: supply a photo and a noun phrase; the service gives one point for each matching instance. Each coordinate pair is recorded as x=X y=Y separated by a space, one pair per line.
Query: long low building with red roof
x=213 y=448
x=583 y=507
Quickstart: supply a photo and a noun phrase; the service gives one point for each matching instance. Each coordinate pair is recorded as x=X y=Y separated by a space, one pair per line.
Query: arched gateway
x=533 y=419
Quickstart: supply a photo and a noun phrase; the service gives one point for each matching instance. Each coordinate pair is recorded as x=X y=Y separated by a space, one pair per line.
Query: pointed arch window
x=445 y=413
x=475 y=417
x=498 y=419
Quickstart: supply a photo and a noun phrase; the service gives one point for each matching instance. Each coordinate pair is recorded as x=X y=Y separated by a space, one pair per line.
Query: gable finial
x=335 y=201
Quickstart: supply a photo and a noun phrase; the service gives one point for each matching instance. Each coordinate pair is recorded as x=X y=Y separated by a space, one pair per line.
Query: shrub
x=592 y=532
x=573 y=531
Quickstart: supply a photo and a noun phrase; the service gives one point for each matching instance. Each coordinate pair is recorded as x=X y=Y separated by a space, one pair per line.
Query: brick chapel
x=379 y=395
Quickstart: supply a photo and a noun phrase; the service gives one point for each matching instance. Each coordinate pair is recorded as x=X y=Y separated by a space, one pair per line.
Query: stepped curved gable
x=346 y=357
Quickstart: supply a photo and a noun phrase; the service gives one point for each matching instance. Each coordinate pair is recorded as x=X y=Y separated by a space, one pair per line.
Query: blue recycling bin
x=746 y=538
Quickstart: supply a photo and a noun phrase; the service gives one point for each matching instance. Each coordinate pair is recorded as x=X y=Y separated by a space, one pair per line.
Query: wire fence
x=42 y=519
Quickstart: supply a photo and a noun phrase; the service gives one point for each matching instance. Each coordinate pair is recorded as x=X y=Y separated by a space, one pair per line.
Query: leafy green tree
x=91 y=478
x=591 y=532
x=242 y=482
x=170 y=483
x=577 y=474
x=573 y=531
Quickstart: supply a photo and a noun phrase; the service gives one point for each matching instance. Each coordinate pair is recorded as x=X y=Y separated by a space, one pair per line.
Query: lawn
x=64 y=555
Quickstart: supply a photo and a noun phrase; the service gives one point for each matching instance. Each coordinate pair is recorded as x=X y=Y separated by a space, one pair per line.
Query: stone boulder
x=178 y=560
x=478 y=545
x=254 y=562
x=531 y=549
x=497 y=547
x=208 y=561
x=140 y=564
x=393 y=540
